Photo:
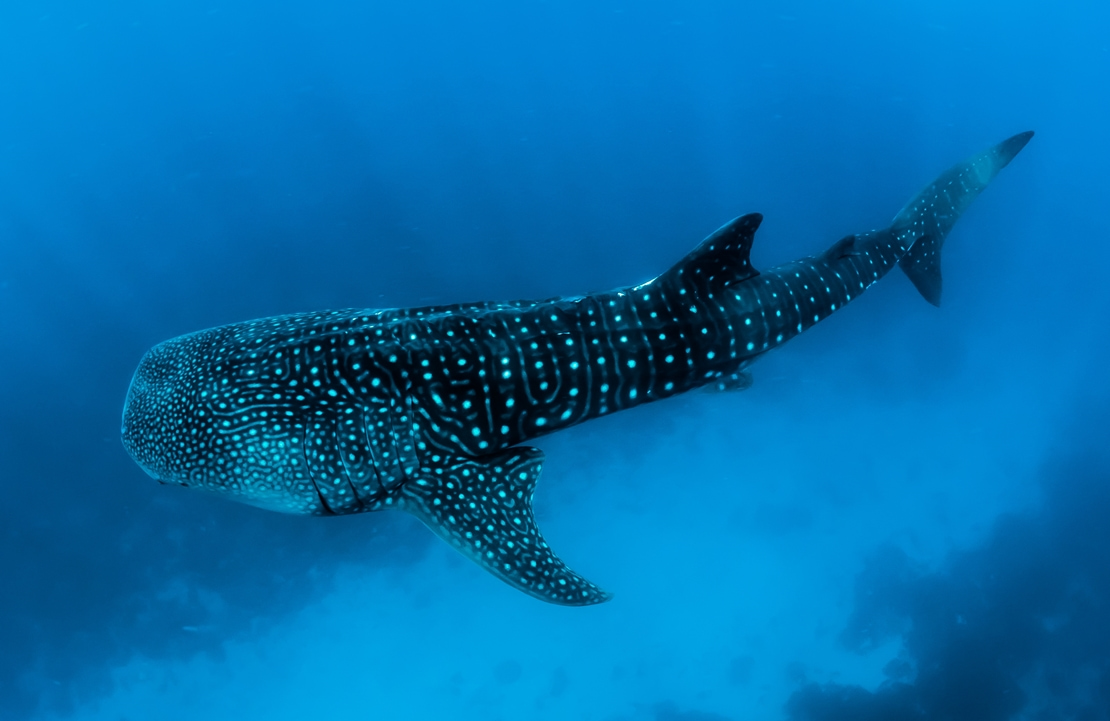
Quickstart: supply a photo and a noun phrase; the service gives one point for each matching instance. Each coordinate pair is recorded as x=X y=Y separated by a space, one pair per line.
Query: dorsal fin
x=722 y=258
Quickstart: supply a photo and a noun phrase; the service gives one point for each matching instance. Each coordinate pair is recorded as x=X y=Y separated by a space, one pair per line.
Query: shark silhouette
x=425 y=409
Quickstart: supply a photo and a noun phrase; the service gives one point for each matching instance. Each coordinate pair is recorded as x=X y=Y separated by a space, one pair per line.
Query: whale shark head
x=159 y=415
x=192 y=418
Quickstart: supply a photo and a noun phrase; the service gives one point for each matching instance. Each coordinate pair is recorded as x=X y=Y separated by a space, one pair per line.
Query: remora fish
x=425 y=409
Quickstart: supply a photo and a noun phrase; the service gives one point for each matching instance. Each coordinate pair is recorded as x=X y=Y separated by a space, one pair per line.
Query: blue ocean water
x=904 y=518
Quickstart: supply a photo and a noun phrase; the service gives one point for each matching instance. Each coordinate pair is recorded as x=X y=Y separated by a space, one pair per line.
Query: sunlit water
x=899 y=518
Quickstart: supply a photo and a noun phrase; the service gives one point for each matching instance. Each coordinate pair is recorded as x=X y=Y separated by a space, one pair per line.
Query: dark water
x=904 y=518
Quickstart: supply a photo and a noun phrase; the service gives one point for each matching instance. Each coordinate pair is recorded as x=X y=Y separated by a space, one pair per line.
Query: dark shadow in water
x=1017 y=627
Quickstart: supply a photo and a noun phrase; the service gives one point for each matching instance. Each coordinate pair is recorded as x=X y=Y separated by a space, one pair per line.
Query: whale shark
x=428 y=410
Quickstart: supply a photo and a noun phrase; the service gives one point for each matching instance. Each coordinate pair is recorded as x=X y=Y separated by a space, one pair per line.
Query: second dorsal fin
x=722 y=258
x=840 y=249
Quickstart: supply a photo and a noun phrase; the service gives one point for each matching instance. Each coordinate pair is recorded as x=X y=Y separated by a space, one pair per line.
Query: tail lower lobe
x=926 y=220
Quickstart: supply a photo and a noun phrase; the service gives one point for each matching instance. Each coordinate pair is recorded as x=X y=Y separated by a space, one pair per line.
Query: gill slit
x=343 y=461
x=324 y=509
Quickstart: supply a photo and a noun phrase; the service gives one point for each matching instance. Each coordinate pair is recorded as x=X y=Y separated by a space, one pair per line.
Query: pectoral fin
x=483 y=507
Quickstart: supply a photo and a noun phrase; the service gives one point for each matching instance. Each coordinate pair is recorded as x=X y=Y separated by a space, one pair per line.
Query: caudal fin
x=926 y=220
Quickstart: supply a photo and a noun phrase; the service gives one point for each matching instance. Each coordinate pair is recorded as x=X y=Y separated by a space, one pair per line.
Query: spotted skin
x=426 y=409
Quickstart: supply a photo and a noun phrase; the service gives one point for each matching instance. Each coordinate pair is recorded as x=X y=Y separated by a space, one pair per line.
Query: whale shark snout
x=160 y=414
x=143 y=422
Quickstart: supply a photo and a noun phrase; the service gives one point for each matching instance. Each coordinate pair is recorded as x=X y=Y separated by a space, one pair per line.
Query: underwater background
x=905 y=518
